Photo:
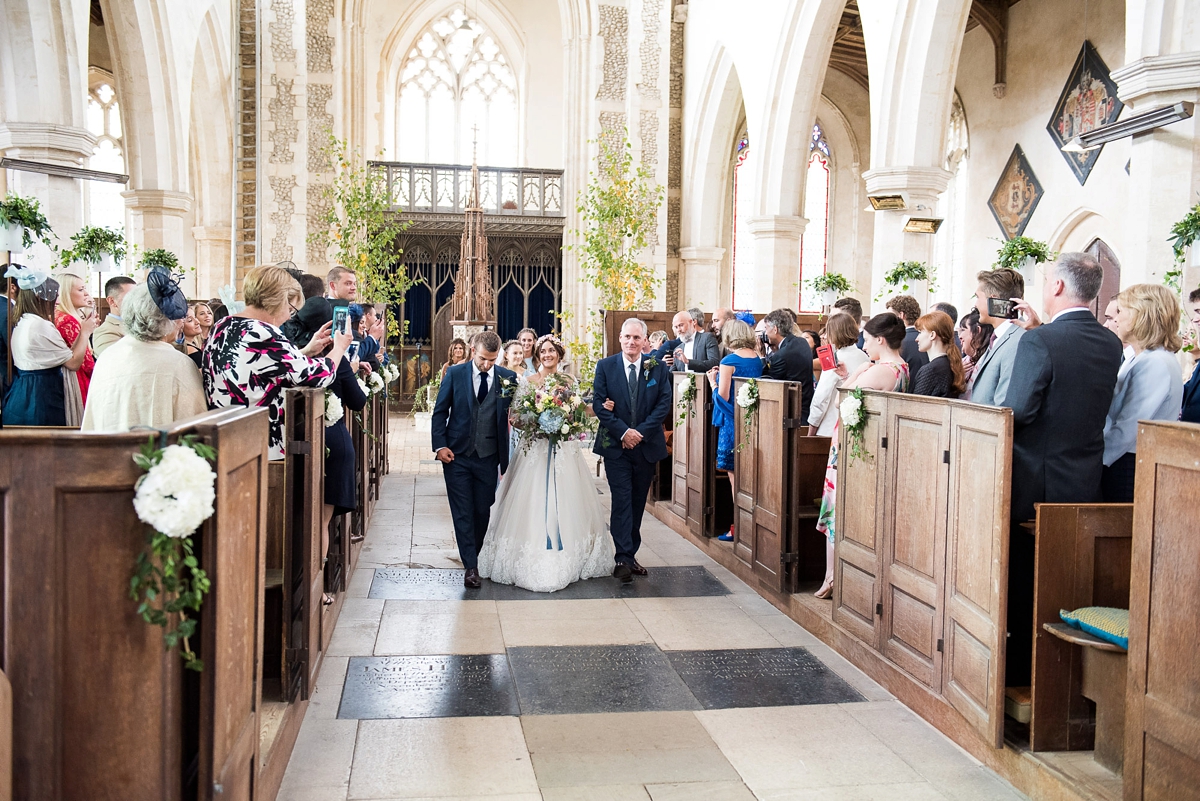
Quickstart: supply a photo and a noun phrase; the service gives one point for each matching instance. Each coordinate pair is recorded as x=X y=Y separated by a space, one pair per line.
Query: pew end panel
x=1162 y=705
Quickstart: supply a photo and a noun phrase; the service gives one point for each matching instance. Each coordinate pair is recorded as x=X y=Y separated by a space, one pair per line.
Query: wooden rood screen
x=922 y=546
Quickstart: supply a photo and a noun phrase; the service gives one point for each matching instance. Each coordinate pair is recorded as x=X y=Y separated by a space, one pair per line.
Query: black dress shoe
x=638 y=570
x=623 y=572
x=471 y=579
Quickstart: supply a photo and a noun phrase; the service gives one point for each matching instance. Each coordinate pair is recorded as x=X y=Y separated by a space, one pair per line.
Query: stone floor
x=686 y=686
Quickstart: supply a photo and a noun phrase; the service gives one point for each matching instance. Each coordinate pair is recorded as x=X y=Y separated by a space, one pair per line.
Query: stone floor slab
x=592 y=679
x=663 y=582
x=428 y=687
x=760 y=677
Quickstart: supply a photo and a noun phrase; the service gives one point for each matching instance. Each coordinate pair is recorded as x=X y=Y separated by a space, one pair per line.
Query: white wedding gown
x=548 y=528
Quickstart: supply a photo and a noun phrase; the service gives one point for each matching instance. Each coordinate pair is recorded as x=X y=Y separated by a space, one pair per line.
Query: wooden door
x=1162 y=699
x=701 y=463
x=232 y=617
x=976 y=586
x=805 y=555
x=857 y=601
x=914 y=539
x=680 y=441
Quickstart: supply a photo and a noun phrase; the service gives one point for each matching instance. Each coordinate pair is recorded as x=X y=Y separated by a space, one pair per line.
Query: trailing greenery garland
x=175 y=494
x=158 y=257
x=26 y=213
x=747 y=398
x=92 y=242
x=903 y=273
x=1183 y=234
x=1014 y=252
x=687 y=409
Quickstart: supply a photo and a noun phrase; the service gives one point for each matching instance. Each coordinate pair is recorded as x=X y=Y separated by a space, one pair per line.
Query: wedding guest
x=907 y=309
x=1149 y=384
x=948 y=309
x=74 y=305
x=792 y=358
x=1190 y=413
x=852 y=307
x=514 y=356
x=248 y=361
x=112 y=328
x=303 y=324
x=883 y=336
x=693 y=348
x=975 y=338
x=741 y=362
x=943 y=376
x=9 y=289
x=722 y=316
x=814 y=341
x=341 y=285
x=341 y=490
x=993 y=370
x=142 y=380
x=220 y=312
x=204 y=317
x=841 y=331
x=455 y=354
x=192 y=342
x=528 y=338
x=45 y=389
x=311 y=286
x=657 y=340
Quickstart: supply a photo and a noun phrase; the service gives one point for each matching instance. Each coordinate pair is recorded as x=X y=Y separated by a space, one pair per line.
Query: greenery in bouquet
x=92 y=242
x=554 y=411
x=26 y=213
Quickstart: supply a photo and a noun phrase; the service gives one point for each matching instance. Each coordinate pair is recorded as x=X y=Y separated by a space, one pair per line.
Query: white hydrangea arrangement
x=334 y=411
x=176 y=495
x=375 y=383
x=747 y=398
x=854 y=421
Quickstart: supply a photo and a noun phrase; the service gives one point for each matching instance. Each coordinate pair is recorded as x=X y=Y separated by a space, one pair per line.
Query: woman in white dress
x=548 y=528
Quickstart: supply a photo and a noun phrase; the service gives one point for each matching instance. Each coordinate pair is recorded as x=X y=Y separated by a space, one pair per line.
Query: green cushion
x=1111 y=625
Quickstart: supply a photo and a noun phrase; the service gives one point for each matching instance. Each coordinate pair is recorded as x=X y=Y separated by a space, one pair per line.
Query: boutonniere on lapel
x=507 y=388
x=650 y=363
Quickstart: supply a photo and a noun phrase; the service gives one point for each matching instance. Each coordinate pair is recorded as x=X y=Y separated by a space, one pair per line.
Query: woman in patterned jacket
x=248 y=361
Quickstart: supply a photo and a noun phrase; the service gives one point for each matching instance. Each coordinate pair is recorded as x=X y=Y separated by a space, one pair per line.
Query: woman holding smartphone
x=841 y=336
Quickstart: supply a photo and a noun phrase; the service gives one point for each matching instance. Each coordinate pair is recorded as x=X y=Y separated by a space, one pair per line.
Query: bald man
x=692 y=349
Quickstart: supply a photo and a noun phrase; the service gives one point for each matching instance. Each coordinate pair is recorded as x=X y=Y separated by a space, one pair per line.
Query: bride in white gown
x=548 y=528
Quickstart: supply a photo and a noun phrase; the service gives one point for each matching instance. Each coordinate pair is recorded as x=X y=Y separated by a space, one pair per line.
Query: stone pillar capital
x=702 y=255
x=912 y=182
x=164 y=201
x=1159 y=80
x=39 y=141
x=778 y=227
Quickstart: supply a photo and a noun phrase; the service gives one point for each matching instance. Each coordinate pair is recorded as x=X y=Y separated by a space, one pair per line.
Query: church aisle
x=687 y=685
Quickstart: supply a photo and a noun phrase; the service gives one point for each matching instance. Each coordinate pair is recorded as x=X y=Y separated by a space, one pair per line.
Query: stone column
x=920 y=187
x=700 y=284
x=156 y=219
x=776 y=262
x=214 y=253
x=61 y=199
x=1163 y=166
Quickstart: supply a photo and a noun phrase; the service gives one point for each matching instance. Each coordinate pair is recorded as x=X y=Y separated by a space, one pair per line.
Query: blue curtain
x=418 y=314
x=541 y=309
x=510 y=312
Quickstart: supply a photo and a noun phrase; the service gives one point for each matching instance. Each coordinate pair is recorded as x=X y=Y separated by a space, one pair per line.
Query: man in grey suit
x=693 y=348
x=989 y=381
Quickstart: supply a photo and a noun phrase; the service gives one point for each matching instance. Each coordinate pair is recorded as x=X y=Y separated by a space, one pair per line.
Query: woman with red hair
x=944 y=376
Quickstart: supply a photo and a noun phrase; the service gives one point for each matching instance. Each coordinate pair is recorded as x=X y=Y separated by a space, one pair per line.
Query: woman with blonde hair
x=75 y=304
x=1149 y=383
x=248 y=361
x=742 y=361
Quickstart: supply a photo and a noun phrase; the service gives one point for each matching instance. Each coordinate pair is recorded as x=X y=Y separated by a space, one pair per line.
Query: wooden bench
x=1103 y=682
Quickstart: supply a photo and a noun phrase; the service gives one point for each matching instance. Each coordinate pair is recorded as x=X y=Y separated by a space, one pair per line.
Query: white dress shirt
x=689 y=346
x=637 y=366
x=1068 y=311
x=475 y=373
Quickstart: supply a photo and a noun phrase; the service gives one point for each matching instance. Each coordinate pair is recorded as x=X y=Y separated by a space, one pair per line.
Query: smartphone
x=1001 y=308
x=828 y=357
x=341 y=318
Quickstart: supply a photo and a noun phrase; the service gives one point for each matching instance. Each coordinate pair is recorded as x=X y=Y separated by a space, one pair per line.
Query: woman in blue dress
x=741 y=361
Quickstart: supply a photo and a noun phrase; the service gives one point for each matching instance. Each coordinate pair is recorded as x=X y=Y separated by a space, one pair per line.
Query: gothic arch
x=719 y=115
x=43 y=61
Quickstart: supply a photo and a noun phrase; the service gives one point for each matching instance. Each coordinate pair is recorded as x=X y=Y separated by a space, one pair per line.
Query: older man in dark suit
x=792 y=358
x=1062 y=384
x=693 y=348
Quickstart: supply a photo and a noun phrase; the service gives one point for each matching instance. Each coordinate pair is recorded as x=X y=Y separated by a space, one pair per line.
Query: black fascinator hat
x=166 y=294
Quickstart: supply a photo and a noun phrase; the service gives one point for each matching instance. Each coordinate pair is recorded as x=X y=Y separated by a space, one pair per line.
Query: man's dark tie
x=633 y=390
x=482 y=387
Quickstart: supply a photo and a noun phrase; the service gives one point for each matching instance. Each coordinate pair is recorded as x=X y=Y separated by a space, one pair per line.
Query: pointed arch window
x=105 y=204
x=454 y=78
x=742 y=263
x=814 y=244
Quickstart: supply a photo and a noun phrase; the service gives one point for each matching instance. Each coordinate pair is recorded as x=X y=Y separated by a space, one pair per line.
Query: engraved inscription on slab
x=428 y=686
x=760 y=677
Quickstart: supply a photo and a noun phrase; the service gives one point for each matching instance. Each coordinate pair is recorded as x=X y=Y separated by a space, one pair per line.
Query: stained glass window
x=743 y=241
x=814 y=244
x=455 y=78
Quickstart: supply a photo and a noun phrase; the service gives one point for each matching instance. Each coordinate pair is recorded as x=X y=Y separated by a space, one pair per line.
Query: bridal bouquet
x=554 y=411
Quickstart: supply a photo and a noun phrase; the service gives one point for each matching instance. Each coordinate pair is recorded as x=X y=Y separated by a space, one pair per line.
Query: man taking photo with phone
x=994 y=300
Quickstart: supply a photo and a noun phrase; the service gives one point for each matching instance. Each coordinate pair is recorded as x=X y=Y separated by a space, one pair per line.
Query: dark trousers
x=1018 y=662
x=629 y=479
x=471 y=490
x=1117 y=480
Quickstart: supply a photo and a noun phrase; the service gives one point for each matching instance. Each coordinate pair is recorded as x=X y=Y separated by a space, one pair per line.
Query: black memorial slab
x=760 y=677
x=428 y=687
x=599 y=678
x=402 y=584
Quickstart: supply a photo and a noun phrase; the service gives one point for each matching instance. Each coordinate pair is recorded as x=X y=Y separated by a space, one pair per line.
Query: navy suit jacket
x=456 y=403
x=654 y=404
x=1191 y=398
x=1061 y=388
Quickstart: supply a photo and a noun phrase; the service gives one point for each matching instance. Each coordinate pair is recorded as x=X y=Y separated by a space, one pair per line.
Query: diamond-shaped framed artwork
x=1016 y=195
x=1088 y=101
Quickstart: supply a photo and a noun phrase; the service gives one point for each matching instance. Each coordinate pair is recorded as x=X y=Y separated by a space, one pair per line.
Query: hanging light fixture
x=465 y=25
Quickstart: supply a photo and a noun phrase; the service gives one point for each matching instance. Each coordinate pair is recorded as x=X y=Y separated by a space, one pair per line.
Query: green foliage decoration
x=92 y=242
x=904 y=273
x=1014 y=252
x=158 y=257
x=26 y=213
x=830 y=282
x=1184 y=233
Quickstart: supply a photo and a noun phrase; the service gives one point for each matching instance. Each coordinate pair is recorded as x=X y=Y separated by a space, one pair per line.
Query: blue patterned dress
x=724 y=415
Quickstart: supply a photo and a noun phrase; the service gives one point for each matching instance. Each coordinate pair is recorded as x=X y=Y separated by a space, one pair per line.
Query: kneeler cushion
x=1111 y=625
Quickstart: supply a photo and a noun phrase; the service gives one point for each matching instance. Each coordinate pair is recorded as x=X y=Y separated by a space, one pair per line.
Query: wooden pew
x=6 y=738
x=694 y=497
x=102 y=710
x=1162 y=704
x=1081 y=559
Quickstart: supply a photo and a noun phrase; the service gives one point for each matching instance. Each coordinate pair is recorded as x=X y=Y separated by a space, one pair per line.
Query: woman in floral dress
x=248 y=361
x=882 y=337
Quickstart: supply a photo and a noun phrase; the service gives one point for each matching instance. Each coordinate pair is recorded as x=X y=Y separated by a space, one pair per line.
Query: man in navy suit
x=1191 y=390
x=630 y=437
x=470 y=439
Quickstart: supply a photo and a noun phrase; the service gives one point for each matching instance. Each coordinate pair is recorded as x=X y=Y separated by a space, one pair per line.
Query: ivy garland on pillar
x=360 y=228
x=618 y=208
